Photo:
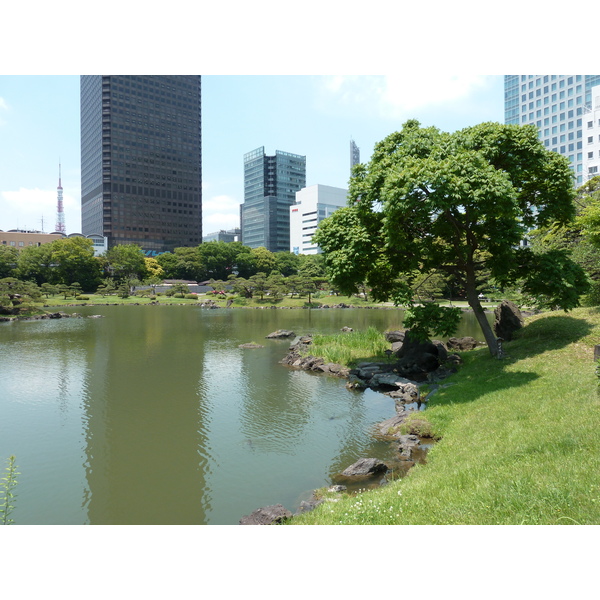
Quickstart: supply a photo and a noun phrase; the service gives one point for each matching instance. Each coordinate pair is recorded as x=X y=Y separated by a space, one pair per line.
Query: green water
x=153 y=415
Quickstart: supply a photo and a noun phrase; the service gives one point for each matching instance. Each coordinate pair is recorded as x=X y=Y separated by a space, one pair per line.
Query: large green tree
x=8 y=260
x=124 y=262
x=458 y=203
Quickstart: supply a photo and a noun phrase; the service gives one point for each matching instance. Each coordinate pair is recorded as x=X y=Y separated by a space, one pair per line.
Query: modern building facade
x=270 y=186
x=224 y=235
x=556 y=105
x=20 y=239
x=313 y=204
x=141 y=160
x=591 y=136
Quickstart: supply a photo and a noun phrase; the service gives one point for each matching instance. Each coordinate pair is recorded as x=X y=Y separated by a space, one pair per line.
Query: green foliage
x=73 y=260
x=126 y=261
x=7 y=487
x=426 y=319
x=8 y=260
x=17 y=295
x=452 y=203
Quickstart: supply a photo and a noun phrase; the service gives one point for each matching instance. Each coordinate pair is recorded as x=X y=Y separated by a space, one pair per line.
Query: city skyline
x=316 y=116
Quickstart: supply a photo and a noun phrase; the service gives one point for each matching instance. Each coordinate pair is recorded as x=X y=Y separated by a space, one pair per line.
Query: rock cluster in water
x=411 y=363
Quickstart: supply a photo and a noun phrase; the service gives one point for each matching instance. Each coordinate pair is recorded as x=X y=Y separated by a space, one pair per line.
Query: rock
x=267 y=515
x=364 y=467
x=337 y=488
x=395 y=336
x=346 y=329
x=280 y=333
x=507 y=320
x=389 y=427
x=462 y=344
x=407 y=443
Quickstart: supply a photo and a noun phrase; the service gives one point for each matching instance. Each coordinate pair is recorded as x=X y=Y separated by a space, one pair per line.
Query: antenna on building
x=60 y=217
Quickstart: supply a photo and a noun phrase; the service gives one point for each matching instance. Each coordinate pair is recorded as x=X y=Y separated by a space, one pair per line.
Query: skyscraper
x=556 y=105
x=270 y=186
x=141 y=160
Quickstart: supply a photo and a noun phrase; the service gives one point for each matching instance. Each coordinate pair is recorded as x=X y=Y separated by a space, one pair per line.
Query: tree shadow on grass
x=550 y=333
x=482 y=374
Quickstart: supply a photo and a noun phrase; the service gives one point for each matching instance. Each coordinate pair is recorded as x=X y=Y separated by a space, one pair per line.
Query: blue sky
x=315 y=116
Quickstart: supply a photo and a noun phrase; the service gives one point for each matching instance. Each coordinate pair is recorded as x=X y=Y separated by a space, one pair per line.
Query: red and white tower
x=60 y=218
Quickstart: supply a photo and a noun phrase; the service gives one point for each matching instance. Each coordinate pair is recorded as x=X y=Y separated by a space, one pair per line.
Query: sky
x=312 y=115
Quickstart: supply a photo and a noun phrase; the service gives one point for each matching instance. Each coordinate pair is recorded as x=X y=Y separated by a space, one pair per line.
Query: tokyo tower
x=60 y=217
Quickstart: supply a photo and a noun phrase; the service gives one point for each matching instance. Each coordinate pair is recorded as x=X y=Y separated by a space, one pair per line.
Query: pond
x=153 y=415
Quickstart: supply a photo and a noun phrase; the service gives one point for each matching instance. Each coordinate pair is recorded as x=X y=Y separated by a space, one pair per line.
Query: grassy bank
x=520 y=439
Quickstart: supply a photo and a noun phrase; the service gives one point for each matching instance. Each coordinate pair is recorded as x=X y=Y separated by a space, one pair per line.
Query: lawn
x=520 y=439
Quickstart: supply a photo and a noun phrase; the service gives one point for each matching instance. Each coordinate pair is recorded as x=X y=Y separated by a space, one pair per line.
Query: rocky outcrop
x=267 y=515
x=507 y=320
x=365 y=467
x=280 y=334
x=462 y=344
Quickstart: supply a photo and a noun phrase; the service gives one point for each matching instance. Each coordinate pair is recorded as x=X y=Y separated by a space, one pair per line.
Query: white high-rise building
x=556 y=105
x=313 y=204
x=591 y=137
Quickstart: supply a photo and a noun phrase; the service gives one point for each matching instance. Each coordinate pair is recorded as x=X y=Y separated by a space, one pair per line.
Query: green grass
x=520 y=439
x=350 y=348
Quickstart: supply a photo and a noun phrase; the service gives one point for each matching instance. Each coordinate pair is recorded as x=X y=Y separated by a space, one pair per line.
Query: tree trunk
x=480 y=315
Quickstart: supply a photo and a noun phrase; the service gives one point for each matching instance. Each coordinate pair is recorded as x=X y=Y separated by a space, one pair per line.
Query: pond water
x=153 y=415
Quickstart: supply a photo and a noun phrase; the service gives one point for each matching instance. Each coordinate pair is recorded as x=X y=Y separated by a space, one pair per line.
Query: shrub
x=85 y=298
x=178 y=295
x=190 y=296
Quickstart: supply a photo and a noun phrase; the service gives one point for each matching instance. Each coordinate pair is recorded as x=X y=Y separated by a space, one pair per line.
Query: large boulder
x=365 y=467
x=461 y=344
x=507 y=320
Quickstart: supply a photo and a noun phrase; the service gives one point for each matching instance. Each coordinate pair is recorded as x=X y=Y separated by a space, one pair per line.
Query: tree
x=287 y=263
x=73 y=260
x=8 y=260
x=35 y=264
x=458 y=203
x=580 y=238
x=16 y=294
x=125 y=261
x=263 y=259
x=219 y=259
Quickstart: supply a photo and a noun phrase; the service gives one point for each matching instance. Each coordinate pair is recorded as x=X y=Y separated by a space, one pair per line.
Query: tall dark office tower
x=270 y=186
x=141 y=160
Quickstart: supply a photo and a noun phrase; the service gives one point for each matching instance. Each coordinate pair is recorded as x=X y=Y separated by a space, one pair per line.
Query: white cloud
x=398 y=96
x=220 y=212
x=3 y=106
x=26 y=208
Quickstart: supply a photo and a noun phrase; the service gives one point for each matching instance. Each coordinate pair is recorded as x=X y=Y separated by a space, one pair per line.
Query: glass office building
x=141 y=160
x=270 y=186
x=556 y=105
